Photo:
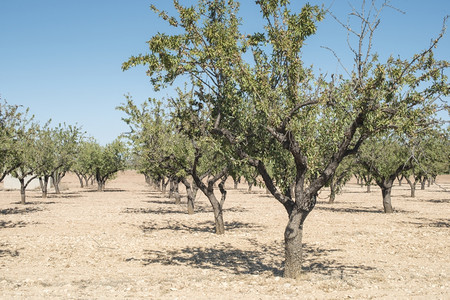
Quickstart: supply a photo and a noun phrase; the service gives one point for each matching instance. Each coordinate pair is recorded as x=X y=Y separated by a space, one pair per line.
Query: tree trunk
x=190 y=201
x=171 y=188
x=176 y=192
x=164 y=185
x=22 y=191
x=412 y=185
x=191 y=191
x=43 y=182
x=80 y=178
x=386 y=193
x=236 y=182
x=250 y=185
x=293 y=244
x=100 y=185
x=368 y=188
x=218 y=213
x=332 y=193
x=422 y=184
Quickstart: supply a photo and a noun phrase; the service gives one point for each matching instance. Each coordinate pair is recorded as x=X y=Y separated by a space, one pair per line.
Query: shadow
x=16 y=210
x=208 y=226
x=262 y=259
x=433 y=200
x=350 y=210
x=7 y=252
x=166 y=202
x=157 y=211
x=235 y=210
x=106 y=190
x=10 y=224
x=374 y=210
x=316 y=262
x=439 y=223
x=223 y=257
x=37 y=202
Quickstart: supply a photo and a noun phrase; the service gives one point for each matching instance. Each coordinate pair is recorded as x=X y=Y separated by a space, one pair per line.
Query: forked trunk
x=43 y=182
x=80 y=178
x=412 y=185
x=293 y=244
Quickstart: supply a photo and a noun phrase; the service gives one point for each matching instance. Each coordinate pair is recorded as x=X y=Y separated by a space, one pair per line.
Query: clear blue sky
x=62 y=58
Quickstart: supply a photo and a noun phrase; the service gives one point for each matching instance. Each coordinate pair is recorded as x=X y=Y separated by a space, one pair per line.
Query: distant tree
x=430 y=157
x=342 y=175
x=83 y=165
x=25 y=156
x=13 y=123
x=385 y=157
x=56 y=149
x=108 y=160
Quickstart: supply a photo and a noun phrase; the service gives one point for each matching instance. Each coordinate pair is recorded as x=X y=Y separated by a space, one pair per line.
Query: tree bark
x=22 y=191
x=171 y=188
x=100 y=185
x=176 y=192
x=43 y=182
x=80 y=178
x=412 y=186
x=422 y=183
x=164 y=185
x=293 y=244
x=386 y=193
x=332 y=193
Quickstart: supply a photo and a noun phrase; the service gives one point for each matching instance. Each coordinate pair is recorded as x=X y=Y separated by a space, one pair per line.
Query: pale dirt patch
x=132 y=242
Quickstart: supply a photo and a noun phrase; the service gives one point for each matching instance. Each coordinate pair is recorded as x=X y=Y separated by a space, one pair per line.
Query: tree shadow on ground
x=17 y=210
x=7 y=252
x=373 y=210
x=36 y=202
x=106 y=190
x=431 y=200
x=264 y=258
x=437 y=223
x=316 y=262
x=208 y=226
x=167 y=201
x=10 y=224
x=223 y=257
x=158 y=211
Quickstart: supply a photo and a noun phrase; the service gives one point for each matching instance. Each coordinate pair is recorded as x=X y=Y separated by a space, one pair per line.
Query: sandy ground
x=132 y=242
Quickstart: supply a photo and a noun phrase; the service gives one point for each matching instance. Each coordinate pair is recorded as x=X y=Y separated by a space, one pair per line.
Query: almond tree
x=25 y=155
x=107 y=161
x=13 y=124
x=273 y=110
x=56 y=151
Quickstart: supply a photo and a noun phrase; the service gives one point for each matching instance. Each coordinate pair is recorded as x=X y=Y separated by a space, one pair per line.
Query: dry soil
x=131 y=242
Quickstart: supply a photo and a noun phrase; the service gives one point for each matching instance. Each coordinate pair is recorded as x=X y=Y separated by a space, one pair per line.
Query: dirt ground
x=132 y=242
